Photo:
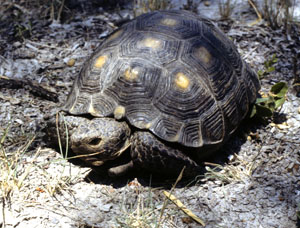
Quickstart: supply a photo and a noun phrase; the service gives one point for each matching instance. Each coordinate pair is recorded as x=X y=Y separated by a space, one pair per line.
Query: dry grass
x=149 y=212
x=145 y=6
x=18 y=167
x=144 y=213
x=237 y=171
x=12 y=175
x=225 y=8
x=51 y=10
x=277 y=13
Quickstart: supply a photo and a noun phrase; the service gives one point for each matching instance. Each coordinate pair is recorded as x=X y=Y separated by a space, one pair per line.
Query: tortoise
x=168 y=87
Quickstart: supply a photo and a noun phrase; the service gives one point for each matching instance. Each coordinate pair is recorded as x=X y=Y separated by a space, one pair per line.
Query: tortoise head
x=100 y=139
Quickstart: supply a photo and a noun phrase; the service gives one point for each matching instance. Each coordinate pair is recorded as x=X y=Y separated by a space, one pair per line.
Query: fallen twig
x=33 y=88
x=256 y=11
x=182 y=207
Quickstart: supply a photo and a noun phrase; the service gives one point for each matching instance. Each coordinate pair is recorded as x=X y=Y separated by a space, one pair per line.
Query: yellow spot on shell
x=203 y=55
x=91 y=109
x=148 y=125
x=100 y=61
x=131 y=74
x=151 y=43
x=168 y=22
x=115 y=35
x=182 y=81
x=72 y=109
x=119 y=112
x=176 y=137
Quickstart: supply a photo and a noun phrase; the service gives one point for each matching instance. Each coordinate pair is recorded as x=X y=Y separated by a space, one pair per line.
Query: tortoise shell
x=173 y=73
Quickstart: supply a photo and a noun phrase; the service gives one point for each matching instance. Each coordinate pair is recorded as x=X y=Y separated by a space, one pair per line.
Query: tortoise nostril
x=95 y=141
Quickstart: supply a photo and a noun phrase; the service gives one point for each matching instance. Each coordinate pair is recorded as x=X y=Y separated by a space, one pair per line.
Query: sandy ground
x=256 y=185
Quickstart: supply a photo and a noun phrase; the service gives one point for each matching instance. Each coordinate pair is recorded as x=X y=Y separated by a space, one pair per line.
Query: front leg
x=152 y=155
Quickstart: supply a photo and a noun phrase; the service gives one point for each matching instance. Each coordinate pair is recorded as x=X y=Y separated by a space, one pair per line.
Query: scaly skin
x=98 y=140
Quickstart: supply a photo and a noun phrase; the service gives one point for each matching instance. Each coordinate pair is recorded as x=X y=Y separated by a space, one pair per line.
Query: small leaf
x=260 y=74
x=253 y=111
x=279 y=102
x=274 y=59
x=279 y=89
x=263 y=111
x=270 y=69
x=262 y=100
x=270 y=104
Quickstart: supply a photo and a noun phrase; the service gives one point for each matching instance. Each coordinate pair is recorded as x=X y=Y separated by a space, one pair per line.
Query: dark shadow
x=279 y=117
x=99 y=175
x=146 y=179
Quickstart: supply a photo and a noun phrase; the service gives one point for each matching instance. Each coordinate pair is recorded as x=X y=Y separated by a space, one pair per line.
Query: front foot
x=120 y=170
x=156 y=156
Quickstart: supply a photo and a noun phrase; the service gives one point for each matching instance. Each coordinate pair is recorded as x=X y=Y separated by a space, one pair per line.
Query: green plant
x=267 y=105
x=269 y=67
x=23 y=31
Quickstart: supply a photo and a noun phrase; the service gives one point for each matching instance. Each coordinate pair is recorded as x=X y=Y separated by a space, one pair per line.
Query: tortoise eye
x=95 y=141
